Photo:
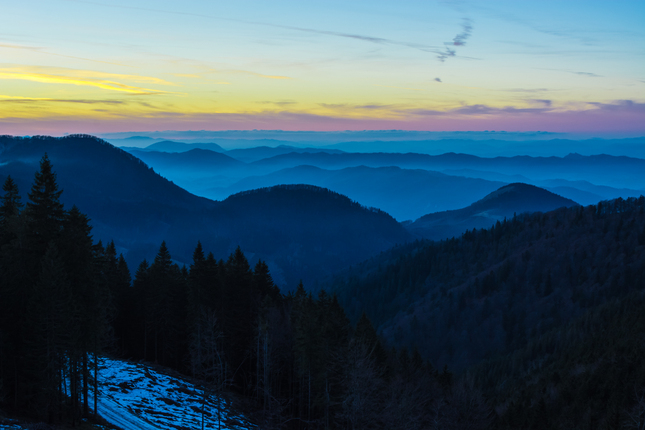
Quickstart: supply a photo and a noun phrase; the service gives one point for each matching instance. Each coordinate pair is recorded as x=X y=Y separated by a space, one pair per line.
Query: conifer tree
x=93 y=309
x=139 y=323
x=239 y=315
x=50 y=335
x=45 y=213
x=167 y=309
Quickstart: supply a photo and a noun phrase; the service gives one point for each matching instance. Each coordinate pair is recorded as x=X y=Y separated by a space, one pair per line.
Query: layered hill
x=403 y=193
x=310 y=235
x=622 y=172
x=497 y=206
x=188 y=164
x=407 y=186
x=172 y=146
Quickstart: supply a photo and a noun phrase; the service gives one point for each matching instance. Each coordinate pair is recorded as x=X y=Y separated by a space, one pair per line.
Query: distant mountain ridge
x=405 y=194
x=195 y=160
x=172 y=146
x=405 y=185
x=617 y=171
x=312 y=234
x=501 y=204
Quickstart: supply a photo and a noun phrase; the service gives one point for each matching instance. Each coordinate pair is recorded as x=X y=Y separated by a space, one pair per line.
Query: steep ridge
x=501 y=204
x=131 y=204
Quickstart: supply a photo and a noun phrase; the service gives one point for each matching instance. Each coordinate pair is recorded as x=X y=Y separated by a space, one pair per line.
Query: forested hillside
x=292 y=361
x=313 y=232
x=535 y=323
x=552 y=303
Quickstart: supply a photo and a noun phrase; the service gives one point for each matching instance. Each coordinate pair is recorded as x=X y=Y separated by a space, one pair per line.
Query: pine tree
x=93 y=302
x=167 y=303
x=45 y=213
x=50 y=336
x=239 y=316
x=366 y=334
x=139 y=322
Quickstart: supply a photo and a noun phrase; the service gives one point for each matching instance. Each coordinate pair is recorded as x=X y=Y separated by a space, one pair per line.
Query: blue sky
x=108 y=66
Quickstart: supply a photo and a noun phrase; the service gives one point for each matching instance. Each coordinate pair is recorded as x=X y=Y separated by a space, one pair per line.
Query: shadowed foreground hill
x=311 y=233
x=549 y=303
x=501 y=204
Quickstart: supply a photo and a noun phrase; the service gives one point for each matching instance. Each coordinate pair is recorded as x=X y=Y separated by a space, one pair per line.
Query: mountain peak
x=511 y=199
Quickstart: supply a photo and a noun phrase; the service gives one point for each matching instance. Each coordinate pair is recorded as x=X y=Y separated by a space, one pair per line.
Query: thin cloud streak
x=102 y=80
x=527 y=90
x=102 y=84
x=459 y=39
x=588 y=74
x=28 y=100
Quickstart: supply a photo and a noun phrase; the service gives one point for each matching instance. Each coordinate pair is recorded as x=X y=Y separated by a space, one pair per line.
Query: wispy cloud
x=527 y=90
x=363 y=38
x=622 y=117
x=480 y=109
x=442 y=52
x=346 y=107
x=588 y=74
x=467 y=28
x=542 y=102
x=458 y=40
x=620 y=106
x=373 y=106
x=105 y=81
x=279 y=103
x=33 y=100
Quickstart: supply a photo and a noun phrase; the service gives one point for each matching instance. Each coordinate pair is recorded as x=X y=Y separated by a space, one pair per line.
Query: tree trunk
x=86 y=374
x=96 y=385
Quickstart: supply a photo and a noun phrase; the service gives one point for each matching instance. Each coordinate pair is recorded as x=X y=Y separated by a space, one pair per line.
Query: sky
x=107 y=66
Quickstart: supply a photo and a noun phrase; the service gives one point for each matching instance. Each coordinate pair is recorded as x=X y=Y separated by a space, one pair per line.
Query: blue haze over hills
x=485 y=143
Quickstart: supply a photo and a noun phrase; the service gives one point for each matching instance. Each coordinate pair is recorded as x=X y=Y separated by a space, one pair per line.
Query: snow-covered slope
x=135 y=397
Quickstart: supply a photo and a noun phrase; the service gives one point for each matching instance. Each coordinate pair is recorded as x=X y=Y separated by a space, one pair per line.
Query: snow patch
x=135 y=397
